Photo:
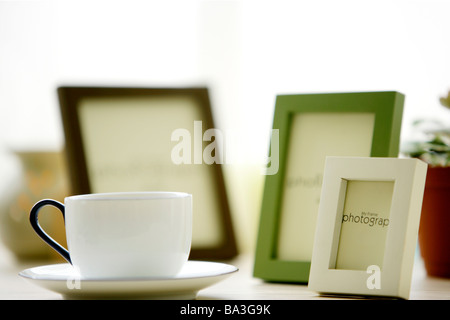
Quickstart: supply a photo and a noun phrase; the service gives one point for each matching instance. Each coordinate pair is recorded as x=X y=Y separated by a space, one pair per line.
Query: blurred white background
x=246 y=52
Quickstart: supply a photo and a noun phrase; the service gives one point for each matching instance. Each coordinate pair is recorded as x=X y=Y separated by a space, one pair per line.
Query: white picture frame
x=358 y=195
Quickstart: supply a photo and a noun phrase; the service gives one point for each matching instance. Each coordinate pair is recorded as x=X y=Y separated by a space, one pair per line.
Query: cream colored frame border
x=395 y=276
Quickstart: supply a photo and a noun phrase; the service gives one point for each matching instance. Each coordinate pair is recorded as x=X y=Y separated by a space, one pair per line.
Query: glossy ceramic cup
x=123 y=235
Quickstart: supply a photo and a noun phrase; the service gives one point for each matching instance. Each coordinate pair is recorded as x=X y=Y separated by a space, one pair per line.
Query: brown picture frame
x=81 y=181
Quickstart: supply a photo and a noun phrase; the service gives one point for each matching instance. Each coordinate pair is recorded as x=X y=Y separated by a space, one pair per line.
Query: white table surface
x=239 y=286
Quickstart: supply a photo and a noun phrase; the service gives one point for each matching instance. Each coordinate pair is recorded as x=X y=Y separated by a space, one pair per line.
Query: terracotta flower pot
x=434 y=230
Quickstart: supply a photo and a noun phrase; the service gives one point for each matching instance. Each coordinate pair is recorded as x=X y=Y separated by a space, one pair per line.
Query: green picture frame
x=373 y=118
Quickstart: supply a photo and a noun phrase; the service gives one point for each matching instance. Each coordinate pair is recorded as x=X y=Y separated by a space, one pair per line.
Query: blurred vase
x=34 y=176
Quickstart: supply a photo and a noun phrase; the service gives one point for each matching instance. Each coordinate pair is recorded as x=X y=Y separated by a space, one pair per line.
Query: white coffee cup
x=123 y=235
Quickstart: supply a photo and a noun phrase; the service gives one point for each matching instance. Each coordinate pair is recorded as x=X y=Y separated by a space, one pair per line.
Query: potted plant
x=434 y=230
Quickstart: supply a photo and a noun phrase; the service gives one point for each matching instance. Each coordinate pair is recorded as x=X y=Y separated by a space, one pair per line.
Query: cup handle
x=34 y=213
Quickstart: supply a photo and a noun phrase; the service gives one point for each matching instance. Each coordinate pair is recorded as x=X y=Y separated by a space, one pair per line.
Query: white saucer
x=194 y=276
